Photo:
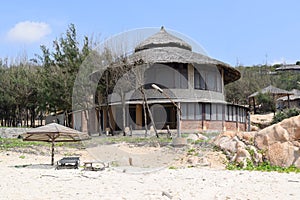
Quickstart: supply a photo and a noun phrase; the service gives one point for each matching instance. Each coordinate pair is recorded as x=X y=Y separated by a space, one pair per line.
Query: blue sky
x=245 y=32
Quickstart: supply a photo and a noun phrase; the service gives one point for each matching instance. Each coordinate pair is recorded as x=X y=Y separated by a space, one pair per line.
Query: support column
x=178 y=120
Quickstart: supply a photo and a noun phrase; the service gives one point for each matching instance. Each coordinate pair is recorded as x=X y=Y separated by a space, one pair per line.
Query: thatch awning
x=295 y=96
x=272 y=90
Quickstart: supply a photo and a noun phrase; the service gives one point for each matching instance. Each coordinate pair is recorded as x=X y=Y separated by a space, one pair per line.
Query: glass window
x=211 y=80
x=229 y=113
x=207 y=111
x=234 y=114
x=213 y=112
x=181 y=75
x=183 y=110
x=199 y=82
x=198 y=111
x=168 y=75
x=191 y=111
x=226 y=112
x=219 y=83
x=220 y=112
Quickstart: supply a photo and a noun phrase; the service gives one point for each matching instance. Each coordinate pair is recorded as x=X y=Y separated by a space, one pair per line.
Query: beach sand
x=28 y=176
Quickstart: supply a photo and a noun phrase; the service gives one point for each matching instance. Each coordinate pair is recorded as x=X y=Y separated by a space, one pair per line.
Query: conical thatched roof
x=163 y=39
x=272 y=90
x=164 y=47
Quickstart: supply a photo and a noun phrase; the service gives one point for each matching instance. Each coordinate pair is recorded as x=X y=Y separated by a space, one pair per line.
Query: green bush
x=279 y=116
x=264 y=167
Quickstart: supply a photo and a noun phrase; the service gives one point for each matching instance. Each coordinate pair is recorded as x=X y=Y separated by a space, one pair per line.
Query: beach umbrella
x=54 y=133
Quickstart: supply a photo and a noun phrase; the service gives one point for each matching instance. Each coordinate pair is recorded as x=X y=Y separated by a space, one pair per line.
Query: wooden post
x=178 y=120
x=52 y=151
x=254 y=105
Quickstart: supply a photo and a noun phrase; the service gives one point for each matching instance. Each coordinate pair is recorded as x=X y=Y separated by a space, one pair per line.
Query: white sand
x=40 y=181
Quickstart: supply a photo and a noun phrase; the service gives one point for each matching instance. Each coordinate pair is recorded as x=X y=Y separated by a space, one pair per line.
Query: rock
x=201 y=137
x=226 y=144
x=204 y=162
x=127 y=130
x=242 y=155
x=292 y=126
x=247 y=137
x=281 y=142
x=192 y=137
x=256 y=157
x=151 y=131
x=196 y=136
x=229 y=134
x=254 y=128
x=193 y=160
x=279 y=154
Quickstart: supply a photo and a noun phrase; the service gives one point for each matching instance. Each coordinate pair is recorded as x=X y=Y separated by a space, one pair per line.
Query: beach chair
x=68 y=163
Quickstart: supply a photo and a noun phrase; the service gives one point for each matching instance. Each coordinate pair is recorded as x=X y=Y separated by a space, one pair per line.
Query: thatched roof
x=162 y=39
x=288 y=68
x=296 y=95
x=55 y=132
x=272 y=90
x=163 y=47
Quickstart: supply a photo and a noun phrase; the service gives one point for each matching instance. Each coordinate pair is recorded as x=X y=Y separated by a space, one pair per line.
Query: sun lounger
x=68 y=163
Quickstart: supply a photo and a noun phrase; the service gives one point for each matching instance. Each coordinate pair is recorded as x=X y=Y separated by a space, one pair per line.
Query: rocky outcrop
x=281 y=142
x=238 y=147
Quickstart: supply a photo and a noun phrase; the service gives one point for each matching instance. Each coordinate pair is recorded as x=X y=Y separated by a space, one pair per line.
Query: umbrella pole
x=52 y=152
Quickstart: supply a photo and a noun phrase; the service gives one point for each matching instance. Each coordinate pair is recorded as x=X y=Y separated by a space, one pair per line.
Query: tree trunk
x=123 y=113
x=149 y=111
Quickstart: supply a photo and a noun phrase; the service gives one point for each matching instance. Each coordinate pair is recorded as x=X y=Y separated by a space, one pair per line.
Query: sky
x=236 y=32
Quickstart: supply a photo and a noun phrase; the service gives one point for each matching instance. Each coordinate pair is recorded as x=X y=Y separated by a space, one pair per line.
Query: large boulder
x=280 y=142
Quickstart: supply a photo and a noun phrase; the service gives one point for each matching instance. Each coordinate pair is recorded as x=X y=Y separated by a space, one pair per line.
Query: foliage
x=265 y=167
x=30 y=89
x=13 y=143
x=60 y=68
x=254 y=78
x=287 y=113
x=10 y=143
x=266 y=102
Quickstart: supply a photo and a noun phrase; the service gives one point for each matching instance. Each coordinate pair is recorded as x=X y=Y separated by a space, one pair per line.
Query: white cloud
x=28 y=31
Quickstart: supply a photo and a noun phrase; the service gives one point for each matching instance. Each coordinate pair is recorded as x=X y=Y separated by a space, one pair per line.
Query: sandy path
x=44 y=182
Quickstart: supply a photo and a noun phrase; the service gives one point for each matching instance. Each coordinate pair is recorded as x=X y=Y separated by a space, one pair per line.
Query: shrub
x=279 y=116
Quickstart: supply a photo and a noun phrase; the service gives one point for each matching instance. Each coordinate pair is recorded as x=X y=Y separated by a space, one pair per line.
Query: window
x=234 y=117
x=213 y=112
x=207 y=111
x=199 y=82
x=230 y=113
x=207 y=78
x=184 y=112
x=167 y=75
x=181 y=78
x=191 y=111
x=220 y=112
x=226 y=113
x=198 y=111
